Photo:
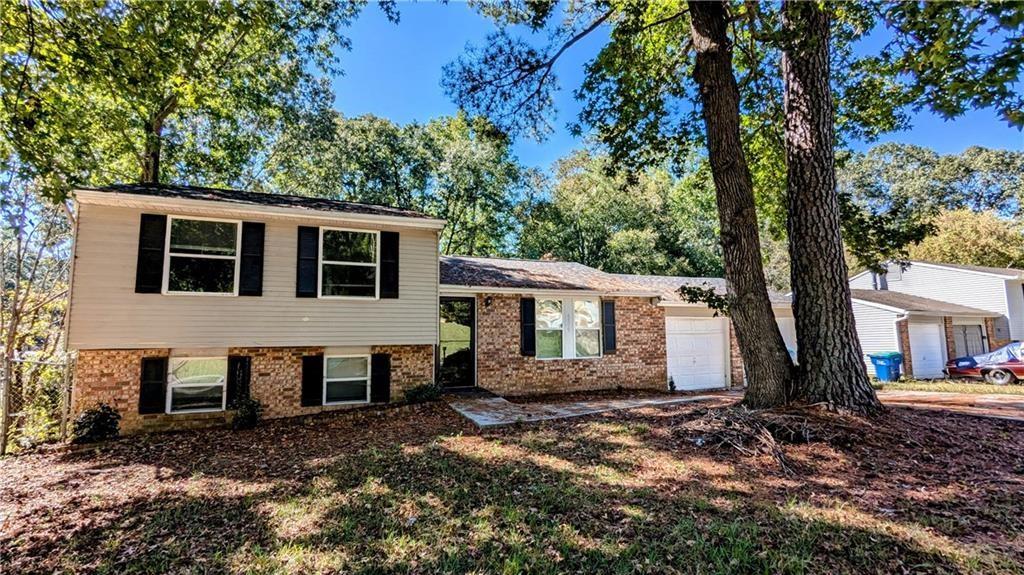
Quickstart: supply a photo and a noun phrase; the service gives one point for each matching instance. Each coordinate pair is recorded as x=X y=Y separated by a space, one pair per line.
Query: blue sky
x=394 y=71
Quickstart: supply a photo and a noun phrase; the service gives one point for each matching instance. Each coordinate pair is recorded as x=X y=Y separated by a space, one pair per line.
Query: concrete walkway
x=496 y=411
x=1001 y=406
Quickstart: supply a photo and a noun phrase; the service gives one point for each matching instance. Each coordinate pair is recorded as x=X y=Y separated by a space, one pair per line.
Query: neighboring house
x=183 y=298
x=934 y=312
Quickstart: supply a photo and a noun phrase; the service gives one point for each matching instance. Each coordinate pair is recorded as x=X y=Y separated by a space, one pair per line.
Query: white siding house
x=876 y=328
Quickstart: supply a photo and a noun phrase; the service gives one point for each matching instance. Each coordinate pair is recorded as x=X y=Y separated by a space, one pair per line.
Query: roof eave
x=471 y=290
x=119 y=199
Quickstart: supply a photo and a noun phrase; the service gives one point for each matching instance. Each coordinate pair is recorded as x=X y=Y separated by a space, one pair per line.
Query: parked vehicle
x=1000 y=367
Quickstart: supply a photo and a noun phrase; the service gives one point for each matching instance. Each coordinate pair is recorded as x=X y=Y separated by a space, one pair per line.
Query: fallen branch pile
x=756 y=432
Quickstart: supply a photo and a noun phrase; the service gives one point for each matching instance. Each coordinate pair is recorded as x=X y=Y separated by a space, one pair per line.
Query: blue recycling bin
x=887 y=365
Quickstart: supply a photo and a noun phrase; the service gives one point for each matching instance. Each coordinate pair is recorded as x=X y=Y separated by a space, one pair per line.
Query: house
x=184 y=299
x=932 y=312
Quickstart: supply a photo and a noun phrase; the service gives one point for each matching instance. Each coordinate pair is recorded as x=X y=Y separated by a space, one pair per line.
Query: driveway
x=999 y=406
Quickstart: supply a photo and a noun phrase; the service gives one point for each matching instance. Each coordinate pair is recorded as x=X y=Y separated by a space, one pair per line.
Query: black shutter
x=380 y=378
x=389 y=265
x=309 y=253
x=527 y=326
x=153 y=385
x=251 y=267
x=239 y=374
x=312 y=380
x=149 y=268
x=608 y=325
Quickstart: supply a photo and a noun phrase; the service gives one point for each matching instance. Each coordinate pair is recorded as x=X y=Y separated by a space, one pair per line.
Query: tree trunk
x=831 y=368
x=151 y=153
x=767 y=362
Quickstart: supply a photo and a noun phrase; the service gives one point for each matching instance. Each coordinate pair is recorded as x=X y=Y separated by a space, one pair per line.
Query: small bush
x=423 y=393
x=96 y=424
x=247 y=413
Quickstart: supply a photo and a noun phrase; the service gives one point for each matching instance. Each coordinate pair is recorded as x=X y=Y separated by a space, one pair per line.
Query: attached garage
x=927 y=348
x=697 y=352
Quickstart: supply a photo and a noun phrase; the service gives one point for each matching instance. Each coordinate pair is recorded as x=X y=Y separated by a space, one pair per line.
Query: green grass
x=951 y=387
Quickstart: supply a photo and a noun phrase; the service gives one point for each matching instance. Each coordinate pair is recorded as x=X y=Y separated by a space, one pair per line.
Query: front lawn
x=626 y=492
x=951 y=387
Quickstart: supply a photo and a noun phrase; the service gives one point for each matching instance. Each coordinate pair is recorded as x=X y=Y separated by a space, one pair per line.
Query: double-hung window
x=346 y=379
x=348 y=263
x=202 y=256
x=568 y=328
x=196 y=384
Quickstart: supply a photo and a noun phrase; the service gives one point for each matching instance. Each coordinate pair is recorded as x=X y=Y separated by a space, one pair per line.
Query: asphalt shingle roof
x=532 y=274
x=668 y=286
x=913 y=303
x=257 y=198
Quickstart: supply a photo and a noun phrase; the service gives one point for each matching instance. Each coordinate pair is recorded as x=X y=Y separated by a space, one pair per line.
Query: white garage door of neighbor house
x=698 y=351
x=926 y=347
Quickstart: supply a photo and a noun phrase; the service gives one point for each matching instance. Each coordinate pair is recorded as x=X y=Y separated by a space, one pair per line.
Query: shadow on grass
x=414 y=496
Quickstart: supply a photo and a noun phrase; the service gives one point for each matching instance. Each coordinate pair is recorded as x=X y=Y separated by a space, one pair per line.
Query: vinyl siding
x=106 y=313
x=954 y=286
x=876 y=329
x=1015 y=305
x=861 y=282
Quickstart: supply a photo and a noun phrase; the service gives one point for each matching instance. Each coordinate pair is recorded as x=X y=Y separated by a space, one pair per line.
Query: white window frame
x=171 y=387
x=321 y=261
x=167 y=257
x=368 y=378
x=569 y=335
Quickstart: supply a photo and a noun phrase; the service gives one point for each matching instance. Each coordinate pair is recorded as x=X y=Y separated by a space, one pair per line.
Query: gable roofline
x=908 y=304
x=290 y=207
x=1013 y=274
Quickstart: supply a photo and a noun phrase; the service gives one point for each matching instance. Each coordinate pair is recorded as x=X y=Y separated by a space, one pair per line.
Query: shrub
x=247 y=413
x=96 y=424
x=423 y=393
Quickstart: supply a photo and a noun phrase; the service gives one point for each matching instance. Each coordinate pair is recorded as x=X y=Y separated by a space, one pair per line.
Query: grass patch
x=951 y=387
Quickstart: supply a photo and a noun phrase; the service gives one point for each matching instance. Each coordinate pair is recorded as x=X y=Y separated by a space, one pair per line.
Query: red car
x=1000 y=367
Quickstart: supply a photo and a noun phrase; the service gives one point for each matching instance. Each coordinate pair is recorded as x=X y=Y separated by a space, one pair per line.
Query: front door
x=456 y=361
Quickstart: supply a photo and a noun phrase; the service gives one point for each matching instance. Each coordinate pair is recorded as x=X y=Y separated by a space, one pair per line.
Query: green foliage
x=423 y=393
x=93 y=91
x=457 y=168
x=892 y=193
x=96 y=424
x=973 y=238
x=655 y=223
x=707 y=296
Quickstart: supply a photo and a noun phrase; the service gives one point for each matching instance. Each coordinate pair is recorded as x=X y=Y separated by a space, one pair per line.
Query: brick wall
x=638 y=361
x=735 y=359
x=947 y=326
x=112 y=377
x=903 y=332
x=994 y=343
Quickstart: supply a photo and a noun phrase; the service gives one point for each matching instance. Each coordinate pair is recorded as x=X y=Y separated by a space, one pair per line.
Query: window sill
x=193 y=411
x=567 y=358
x=353 y=297
x=357 y=402
x=199 y=293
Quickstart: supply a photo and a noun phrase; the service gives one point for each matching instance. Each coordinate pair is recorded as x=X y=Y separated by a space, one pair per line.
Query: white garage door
x=926 y=349
x=698 y=351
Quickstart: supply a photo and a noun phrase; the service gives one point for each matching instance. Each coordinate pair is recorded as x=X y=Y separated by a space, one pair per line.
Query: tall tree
x=105 y=91
x=831 y=367
x=454 y=167
x=765 y=357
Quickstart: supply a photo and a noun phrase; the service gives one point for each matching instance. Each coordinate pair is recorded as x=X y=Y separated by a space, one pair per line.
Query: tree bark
x=151 y=153
x=765 y=358
x=831 y=367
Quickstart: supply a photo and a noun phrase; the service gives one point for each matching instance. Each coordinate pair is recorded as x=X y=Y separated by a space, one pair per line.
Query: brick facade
x=112 y=377
x=736 y=372
x=994 y=342
x=903 y=332
x=638 y=361
x=947 y=326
